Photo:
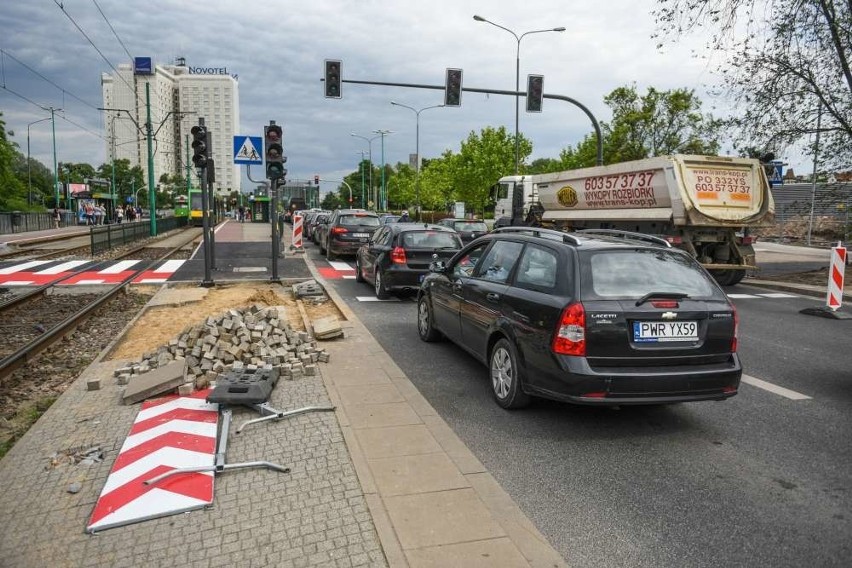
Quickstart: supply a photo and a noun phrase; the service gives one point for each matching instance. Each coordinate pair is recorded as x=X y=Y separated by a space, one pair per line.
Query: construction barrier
x=297 y=231
x=834 y=299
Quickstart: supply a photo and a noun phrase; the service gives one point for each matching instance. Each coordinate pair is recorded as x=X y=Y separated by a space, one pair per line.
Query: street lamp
x=370 y=145
x=361 y=171
x=417 y=150
x=29 y=178
x=383 y=193
x=517 y=74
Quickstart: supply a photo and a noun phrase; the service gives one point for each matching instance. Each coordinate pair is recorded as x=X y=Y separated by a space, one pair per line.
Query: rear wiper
x=665 y=295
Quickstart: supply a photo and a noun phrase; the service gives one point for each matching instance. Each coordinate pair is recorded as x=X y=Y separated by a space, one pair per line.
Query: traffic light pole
x=273 y=217
x=595 y=124
x=205 y=228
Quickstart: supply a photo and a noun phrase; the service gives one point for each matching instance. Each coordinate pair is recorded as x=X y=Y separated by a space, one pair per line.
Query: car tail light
x=736 y=330
x=398 y=255
x=596 y=394
x=675 y=240
x=338 y=230
x=729 y=389
x=664 y=303
x=570 y=338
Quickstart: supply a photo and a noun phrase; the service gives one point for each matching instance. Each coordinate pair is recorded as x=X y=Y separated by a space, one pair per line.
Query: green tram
x=181 y=206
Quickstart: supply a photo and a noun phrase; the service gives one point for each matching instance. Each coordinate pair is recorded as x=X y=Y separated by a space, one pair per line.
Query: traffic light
x=332 y=79
x=535 y=92
x=453 y=88
x=200 y=146
x=274 y=151
x=316 y=180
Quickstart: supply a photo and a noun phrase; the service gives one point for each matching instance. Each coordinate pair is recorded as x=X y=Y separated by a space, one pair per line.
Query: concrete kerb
x=520 y=530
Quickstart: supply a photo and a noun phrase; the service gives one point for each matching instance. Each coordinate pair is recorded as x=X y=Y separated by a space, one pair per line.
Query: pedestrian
x=57 y=217
x=404 y=218
x=99 y=215
x=119 y=214
x=90 y=213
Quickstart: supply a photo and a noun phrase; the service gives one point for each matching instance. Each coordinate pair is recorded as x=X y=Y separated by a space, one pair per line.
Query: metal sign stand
x=219 y=465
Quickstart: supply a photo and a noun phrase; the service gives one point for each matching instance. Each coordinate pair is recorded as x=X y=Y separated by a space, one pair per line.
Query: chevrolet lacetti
x=591 y=317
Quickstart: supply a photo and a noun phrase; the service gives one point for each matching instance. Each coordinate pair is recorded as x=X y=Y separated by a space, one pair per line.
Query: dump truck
x=706 y=205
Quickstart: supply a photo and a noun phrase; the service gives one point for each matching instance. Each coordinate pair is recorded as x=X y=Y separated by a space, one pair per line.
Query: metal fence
x=106 y=237
x=20 y=222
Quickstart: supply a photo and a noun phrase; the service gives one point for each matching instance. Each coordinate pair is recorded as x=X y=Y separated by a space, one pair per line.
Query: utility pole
x=55 y=165
x=149 y=128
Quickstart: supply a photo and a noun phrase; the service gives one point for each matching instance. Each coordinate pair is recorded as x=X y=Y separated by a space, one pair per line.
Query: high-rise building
x=174 y=92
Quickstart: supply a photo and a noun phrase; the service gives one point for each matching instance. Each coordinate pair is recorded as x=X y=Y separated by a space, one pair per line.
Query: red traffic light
x=316 y=180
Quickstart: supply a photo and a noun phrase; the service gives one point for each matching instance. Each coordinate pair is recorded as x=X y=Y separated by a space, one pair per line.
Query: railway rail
x=33 y=321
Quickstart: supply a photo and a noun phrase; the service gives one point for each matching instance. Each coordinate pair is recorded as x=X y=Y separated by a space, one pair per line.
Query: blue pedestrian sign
x=777 y=177
x=247 y=150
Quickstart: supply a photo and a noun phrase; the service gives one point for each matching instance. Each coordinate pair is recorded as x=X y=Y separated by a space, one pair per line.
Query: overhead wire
x=108 y=62
x=95 y=2
x=64 y=91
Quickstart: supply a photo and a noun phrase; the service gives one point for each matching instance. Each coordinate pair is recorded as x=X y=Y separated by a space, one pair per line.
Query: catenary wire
x=115 y=33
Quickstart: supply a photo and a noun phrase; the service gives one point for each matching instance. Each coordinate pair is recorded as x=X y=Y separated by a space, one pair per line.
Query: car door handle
x=521 y=317
x=492 y=297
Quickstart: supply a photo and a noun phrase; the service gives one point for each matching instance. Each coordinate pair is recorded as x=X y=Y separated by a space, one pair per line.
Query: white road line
x=781 y=391
x=348 y=277
x=170 y=266
x=118 y=267
x=779 y=295
x=738 y=296
x=374 y=299
x=342 y=266
x=64 y=267
x=23 y=267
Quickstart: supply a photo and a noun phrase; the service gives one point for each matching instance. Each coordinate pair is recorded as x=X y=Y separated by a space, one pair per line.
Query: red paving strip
x=99 y=278
x=32 y=278
x=329 y=273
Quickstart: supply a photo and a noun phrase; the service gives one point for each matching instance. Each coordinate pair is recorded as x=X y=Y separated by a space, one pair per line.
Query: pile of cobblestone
x=256 y=337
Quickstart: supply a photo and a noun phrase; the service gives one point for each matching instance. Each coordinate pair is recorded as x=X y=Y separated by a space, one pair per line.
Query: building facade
x=178 y=99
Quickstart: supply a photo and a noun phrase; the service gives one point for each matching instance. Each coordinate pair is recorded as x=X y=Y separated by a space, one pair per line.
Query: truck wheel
x=728 y=277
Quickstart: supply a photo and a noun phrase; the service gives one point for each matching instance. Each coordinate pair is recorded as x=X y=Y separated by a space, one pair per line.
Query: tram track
x=33 y=321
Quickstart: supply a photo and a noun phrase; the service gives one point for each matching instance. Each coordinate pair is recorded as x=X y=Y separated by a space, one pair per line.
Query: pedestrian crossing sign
x=247 y=150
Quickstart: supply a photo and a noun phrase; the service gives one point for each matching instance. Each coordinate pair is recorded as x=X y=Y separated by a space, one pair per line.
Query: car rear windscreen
x=468 y=226
x=360 y=220
x=430 y=240
x=635 y=273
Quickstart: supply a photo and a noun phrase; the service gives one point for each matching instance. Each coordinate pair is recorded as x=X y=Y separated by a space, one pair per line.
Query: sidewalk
x=382 y=481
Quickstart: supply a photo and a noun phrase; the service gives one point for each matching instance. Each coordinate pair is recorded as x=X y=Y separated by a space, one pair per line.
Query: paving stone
x=154 y=382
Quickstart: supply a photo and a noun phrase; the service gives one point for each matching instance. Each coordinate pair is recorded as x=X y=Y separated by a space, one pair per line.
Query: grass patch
x=12 y=429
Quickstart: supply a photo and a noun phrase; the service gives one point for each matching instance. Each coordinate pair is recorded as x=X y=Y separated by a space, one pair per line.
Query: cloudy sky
x=278 y=48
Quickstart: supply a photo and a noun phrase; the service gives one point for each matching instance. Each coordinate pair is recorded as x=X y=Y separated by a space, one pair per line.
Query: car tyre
x=425 y=321
x=381 y=292
x=322 y=248
x=359 y=277
x=328 y=254
x=505 y=376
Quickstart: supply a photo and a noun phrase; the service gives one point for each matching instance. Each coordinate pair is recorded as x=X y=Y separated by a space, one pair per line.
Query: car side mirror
x=438 y=266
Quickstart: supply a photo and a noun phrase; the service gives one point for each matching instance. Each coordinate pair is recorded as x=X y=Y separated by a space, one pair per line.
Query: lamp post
x=55 y=165
x=361 y=171
x=517 y=75
x=417 y=150
x=29 y=178
x=370 y=146
x=382 y=193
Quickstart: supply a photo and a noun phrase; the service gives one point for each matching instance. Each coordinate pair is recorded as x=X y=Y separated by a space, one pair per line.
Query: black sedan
x=398 y=255
x=468 y=229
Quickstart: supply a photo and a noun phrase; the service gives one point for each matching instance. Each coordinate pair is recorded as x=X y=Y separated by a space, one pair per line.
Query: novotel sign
x=212 y=71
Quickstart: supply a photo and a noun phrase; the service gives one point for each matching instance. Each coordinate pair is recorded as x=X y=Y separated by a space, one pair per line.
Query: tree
x=658 y=123
x=786 y=64
x=13 y=193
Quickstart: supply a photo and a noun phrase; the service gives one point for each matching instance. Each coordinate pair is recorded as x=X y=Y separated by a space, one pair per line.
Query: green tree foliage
x=13 y=193
x=331 y=201
x=786 y=64
x=657 y=123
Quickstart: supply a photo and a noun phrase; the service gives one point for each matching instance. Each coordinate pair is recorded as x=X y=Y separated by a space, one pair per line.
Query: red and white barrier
x=834 y=299
x=297 y=231
x=168 y=433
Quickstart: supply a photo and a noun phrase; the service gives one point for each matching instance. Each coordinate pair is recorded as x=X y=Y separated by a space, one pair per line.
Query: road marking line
x=23 y=267
x=779 y=295
x=120 y=266
x=342 y=266
x=787 y=393
x=64 y=267
x=348 y=277
x=738 y=296
x=374 y=299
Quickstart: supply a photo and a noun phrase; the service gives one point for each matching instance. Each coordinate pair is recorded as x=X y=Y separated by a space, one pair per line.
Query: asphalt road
x=758 y=480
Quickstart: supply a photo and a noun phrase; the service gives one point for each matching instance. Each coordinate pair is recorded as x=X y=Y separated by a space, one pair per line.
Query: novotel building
x=208 y=92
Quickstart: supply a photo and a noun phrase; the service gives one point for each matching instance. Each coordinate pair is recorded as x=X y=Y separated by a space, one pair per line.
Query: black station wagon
x=592 y=317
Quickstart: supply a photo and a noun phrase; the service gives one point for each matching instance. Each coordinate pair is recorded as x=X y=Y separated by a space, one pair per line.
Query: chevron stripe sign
x=168 y=433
